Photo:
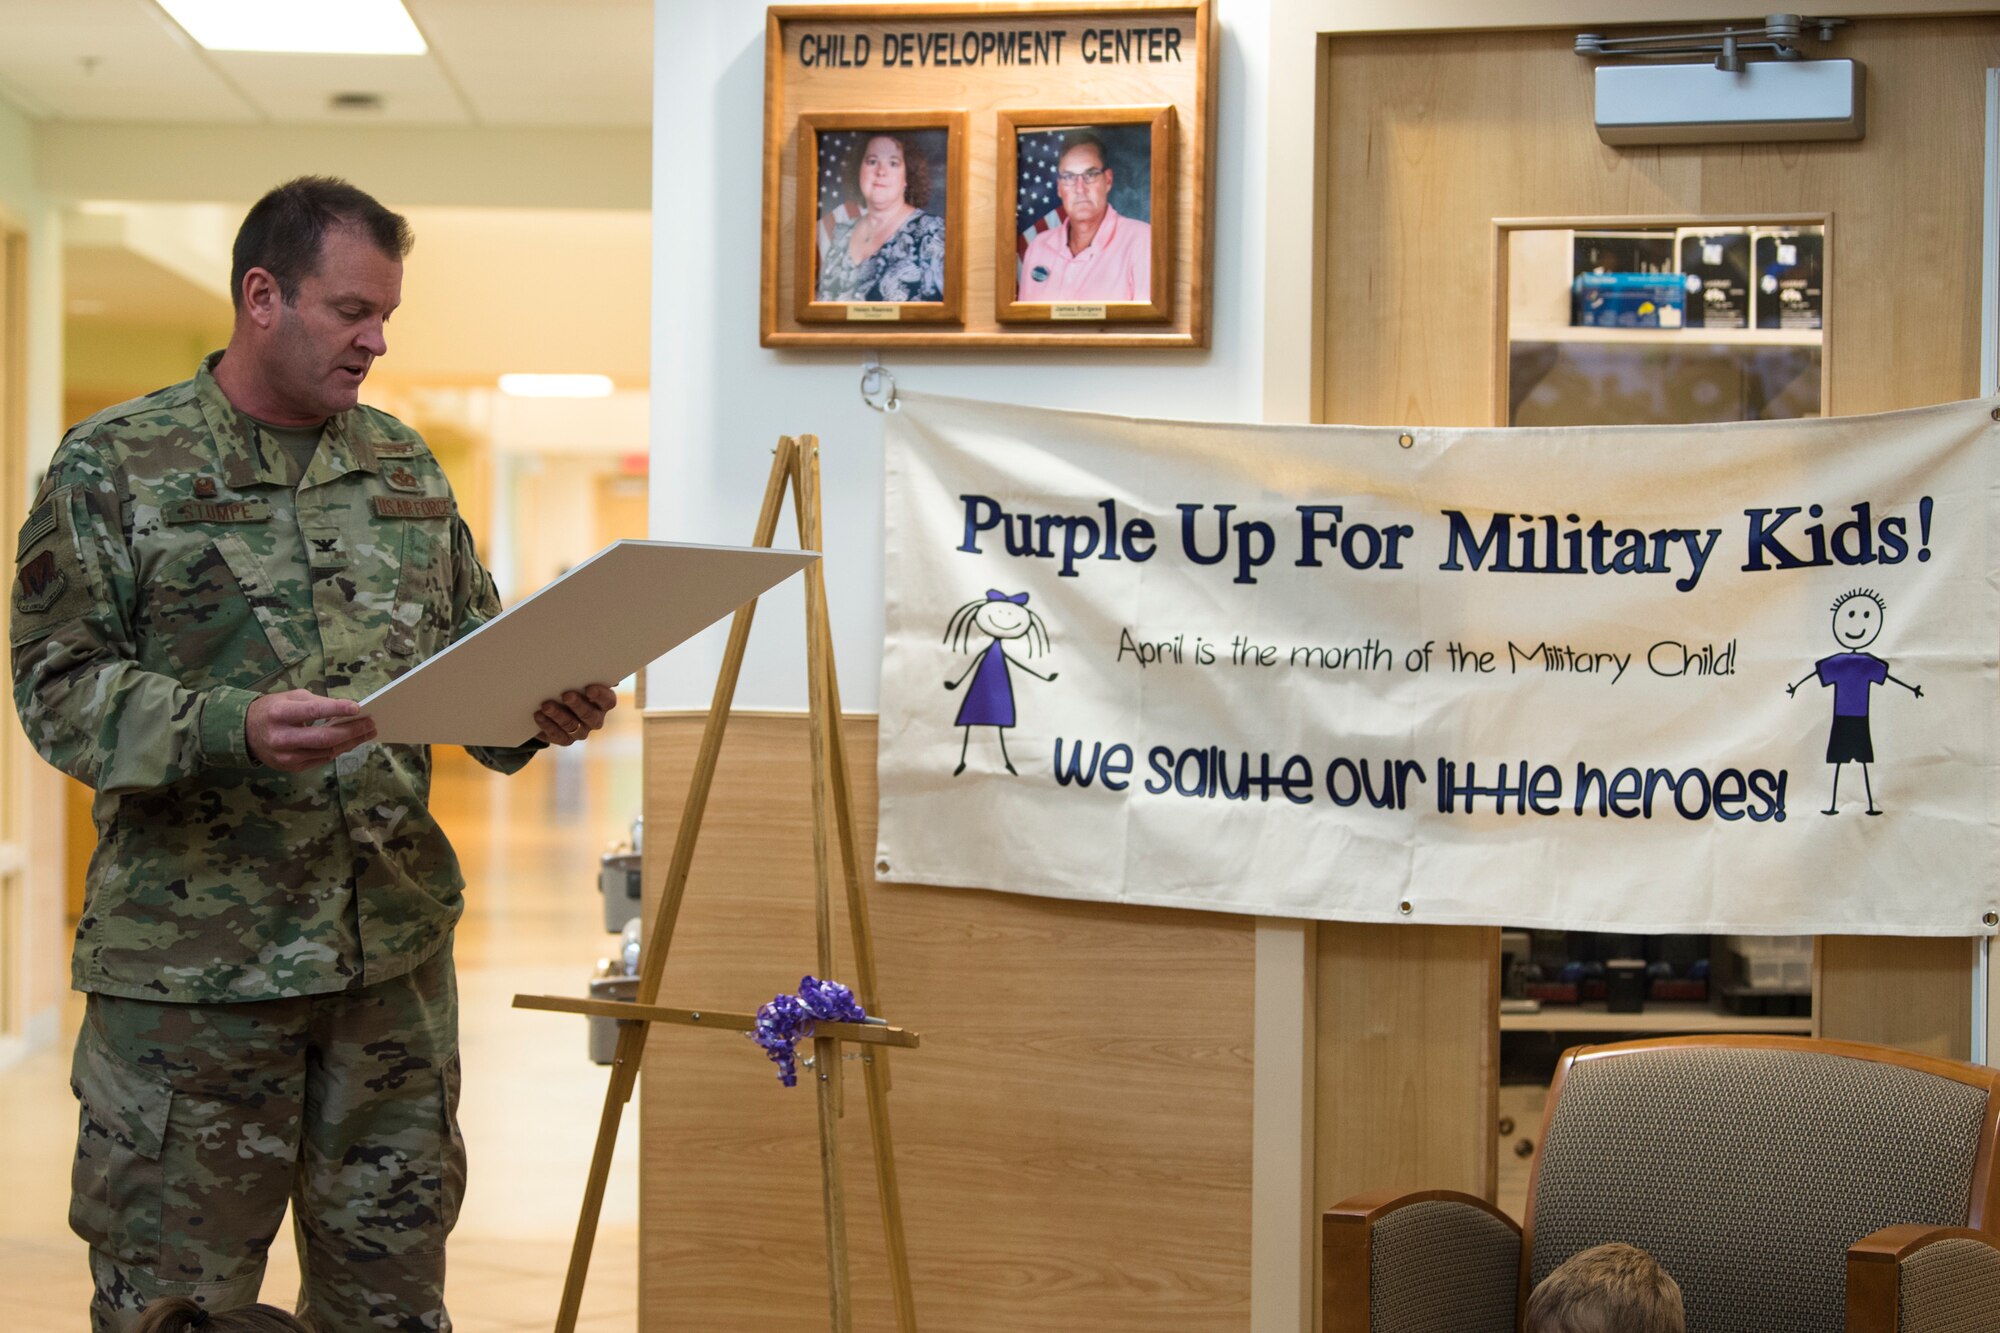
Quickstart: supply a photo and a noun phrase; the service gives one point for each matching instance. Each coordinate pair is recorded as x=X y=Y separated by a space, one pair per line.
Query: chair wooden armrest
x=1919 y=1279
x=1423 y=1258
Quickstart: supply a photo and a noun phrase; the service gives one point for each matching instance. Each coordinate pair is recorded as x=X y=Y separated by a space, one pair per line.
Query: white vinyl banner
x=1713 y=678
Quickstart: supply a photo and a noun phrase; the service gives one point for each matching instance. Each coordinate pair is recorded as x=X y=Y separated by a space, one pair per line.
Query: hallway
x=529 y=845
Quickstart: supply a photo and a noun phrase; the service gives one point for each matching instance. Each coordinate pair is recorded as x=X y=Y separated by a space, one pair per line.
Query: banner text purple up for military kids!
x=1735 y=678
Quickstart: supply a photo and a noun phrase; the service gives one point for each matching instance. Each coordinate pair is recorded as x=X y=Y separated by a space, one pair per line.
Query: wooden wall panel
x=1428 y=139
x=1913 y=993
x=1407 y=1057
x=1073 y=1137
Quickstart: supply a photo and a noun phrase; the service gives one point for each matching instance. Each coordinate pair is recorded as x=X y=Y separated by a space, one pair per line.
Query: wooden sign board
x=988 y=175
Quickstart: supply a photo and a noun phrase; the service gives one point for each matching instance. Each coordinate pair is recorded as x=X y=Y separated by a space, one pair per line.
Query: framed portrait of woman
x=881 y=217
x=1084 y=226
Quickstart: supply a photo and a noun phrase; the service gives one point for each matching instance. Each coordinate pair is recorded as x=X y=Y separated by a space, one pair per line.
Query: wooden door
x=1427 y=142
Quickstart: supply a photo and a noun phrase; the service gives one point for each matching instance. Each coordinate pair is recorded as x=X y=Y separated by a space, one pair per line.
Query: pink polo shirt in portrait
x=1117 y=265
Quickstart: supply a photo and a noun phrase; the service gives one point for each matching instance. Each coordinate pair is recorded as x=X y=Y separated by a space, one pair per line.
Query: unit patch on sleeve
x=49 y=587
x=38 y=585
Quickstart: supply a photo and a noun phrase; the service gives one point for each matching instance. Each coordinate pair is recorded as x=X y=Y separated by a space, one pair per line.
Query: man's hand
x=298 y=730
x=575 y=715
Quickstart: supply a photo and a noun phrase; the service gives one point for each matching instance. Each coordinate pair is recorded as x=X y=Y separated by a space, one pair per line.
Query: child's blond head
x=1607 y=1289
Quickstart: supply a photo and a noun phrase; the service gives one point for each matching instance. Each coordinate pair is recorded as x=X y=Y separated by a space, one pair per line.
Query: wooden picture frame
x=1108 y=301
x=829 y=65
x=818 y=134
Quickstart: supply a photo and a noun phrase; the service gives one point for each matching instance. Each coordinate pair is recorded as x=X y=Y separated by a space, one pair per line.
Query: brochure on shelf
x=1715 y=269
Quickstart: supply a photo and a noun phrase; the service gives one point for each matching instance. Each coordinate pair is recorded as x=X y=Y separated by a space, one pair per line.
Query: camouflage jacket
x=174 y=567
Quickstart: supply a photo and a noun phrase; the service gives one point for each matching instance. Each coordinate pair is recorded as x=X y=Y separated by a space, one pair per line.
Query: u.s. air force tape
x=410 y=506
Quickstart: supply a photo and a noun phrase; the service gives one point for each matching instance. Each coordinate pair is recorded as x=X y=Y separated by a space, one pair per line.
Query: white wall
x=720 y=401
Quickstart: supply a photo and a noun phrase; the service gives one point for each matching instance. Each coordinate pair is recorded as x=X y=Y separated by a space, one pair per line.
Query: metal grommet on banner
x=882 y=867
x=1406 y=439
x=1996 y=414
x=878 y=386
x=1405 y=907
x=1991 y=919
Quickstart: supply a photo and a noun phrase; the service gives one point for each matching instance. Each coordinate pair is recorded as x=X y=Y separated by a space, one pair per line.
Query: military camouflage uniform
x=271 y=1005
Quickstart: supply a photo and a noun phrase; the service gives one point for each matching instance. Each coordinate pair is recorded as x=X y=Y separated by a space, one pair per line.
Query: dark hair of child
x=178 y=1314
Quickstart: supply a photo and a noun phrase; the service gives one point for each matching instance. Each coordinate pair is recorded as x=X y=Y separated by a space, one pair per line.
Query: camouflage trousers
x=200 y=1122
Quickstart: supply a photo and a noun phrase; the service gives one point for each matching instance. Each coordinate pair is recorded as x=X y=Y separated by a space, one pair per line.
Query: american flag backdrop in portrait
x=835 y=205
x=1036 y=207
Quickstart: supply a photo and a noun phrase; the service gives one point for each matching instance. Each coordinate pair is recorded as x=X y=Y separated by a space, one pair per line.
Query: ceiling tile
x=492 y=62
x=294 y=89
x=532 y=62
x=110 y=60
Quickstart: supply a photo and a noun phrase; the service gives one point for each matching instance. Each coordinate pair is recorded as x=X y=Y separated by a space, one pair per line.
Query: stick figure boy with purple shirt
x=1857 y=621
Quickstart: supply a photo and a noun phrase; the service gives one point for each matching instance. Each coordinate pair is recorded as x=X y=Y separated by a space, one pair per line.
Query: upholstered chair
x=1789 y=1185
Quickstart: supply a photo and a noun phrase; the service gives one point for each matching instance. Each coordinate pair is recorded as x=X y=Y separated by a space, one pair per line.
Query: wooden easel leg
x=805 y=486
x=632 y=1036
x=826 y=1069
x=876 y=1076
x=875 y=1064
x=826 y=1053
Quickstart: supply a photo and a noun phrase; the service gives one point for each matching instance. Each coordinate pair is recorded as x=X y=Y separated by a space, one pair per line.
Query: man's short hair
x=1607 y=1289
x=1084 y=139
x=284 y=230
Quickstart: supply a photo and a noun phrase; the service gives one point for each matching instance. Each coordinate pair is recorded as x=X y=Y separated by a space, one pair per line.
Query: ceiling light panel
x=305 y=27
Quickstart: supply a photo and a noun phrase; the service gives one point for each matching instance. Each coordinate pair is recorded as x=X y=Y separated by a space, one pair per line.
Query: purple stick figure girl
x=990 y=700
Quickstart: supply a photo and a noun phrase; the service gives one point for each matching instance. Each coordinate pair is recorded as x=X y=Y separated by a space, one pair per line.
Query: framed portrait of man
x=880 y=220
x=1084 y=230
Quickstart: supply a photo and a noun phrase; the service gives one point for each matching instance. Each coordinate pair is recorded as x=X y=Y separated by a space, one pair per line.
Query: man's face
x=329 y=333
x=1084 y=183
x=1856 y=622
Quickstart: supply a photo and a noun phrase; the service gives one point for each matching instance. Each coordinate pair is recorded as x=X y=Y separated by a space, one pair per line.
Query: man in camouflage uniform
x=208 y=579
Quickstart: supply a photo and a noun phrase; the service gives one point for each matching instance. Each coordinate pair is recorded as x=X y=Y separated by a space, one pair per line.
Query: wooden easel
x=796 y=465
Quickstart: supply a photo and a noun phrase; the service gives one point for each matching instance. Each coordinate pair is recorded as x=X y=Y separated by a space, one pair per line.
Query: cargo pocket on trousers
x=451 y=1170
x=115 y=1181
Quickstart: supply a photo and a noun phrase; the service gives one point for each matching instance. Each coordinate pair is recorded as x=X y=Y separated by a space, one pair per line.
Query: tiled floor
x=531 y=1098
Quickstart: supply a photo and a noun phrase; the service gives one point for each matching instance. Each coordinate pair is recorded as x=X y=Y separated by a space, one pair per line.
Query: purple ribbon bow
x=789 y=1019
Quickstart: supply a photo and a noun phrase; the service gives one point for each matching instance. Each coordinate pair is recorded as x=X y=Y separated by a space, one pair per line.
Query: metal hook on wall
x=878 y=386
